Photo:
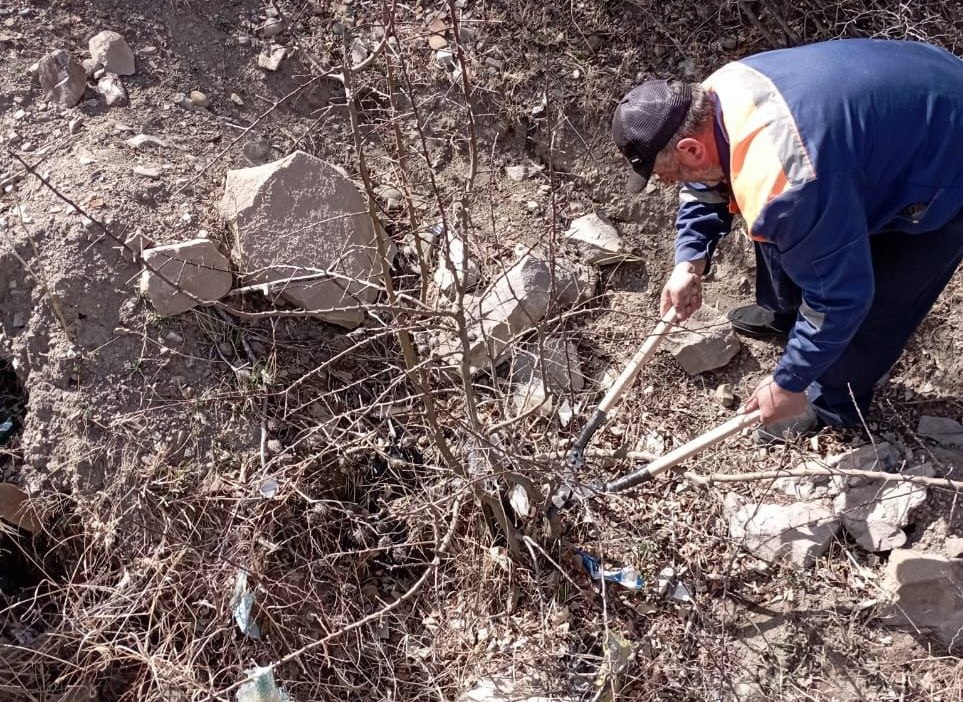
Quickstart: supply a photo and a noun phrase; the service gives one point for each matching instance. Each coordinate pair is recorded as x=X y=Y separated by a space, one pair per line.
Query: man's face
x=671 y=170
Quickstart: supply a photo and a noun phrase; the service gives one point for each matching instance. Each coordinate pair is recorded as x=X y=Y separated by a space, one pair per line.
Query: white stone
x=926 y=593
x=705 y=342
x=455 y=266
x=195 y=266
x=113 y=90
x=799 y=532
x=62 y=78
x=943 y=430
x=300 y=216
x=270 y=57
x=599 y=238
x=111 y=51
x=874 y=512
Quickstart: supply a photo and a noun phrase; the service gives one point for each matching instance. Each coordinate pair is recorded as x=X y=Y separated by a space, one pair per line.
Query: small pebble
x=199 y=99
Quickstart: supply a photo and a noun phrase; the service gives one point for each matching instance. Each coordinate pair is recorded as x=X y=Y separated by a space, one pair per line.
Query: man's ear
x=691 y=152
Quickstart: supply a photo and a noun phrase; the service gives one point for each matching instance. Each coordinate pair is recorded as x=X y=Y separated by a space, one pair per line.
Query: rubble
x=110 y=50
x=599 y=239
x=196 y=266
x=542 y=371
x=514 y=304
x=875 y=513
x=301 y=216
x=799 y=532
x=927 y=594
x=943 y=430
x=705 y=343
x=62 y=78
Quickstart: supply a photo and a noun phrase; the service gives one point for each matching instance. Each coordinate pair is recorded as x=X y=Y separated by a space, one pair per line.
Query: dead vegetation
x=357 y=484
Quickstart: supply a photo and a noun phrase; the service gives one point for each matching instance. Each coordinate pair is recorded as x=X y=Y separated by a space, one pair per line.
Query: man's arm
x=701 y=223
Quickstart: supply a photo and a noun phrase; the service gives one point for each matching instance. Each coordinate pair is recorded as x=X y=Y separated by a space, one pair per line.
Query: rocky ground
x=301 y=304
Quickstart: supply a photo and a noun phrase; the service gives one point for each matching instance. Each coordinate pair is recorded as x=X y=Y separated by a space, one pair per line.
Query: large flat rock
x=704 y=342
x=927 y=594
x=301 y=216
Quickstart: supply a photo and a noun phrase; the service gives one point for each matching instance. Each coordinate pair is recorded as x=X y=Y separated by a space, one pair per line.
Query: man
x=845 y=159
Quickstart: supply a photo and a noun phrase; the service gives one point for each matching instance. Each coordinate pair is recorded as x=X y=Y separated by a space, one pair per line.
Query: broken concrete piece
x=517 y=301
x=455 y=266
x=541 y=372
x=943 y=430
x=270 y=57
x=883 y=456
x=799 y=532
x=927 y=594
x=809 y=487
x=195 y=266
x=62 y=78
x=705 y=343
x=113 y=90
x=599 y=239
x=112 y=52
x=302 y=216
x=874 y=513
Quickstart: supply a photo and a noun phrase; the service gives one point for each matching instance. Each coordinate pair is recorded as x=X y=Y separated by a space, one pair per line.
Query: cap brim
x=639 y=177
x=635 y=183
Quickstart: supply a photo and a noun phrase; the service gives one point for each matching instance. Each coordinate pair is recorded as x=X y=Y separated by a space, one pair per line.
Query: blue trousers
x=910 y=272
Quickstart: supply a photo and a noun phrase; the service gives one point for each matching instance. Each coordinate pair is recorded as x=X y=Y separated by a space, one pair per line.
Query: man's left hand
x=776 y=404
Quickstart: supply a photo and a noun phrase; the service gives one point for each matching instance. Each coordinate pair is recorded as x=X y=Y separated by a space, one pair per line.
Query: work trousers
x=910 y=272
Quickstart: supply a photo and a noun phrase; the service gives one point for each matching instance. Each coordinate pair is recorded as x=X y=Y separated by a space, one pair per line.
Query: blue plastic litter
x=627 y=576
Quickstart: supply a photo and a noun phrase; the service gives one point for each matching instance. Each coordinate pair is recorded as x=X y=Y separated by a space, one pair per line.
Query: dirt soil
x=169 y=455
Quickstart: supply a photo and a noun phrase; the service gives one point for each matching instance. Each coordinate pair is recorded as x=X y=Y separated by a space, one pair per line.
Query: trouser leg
x=910 y=272
x=775 y=291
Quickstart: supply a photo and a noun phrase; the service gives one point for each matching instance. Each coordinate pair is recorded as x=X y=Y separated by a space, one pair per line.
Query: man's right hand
x=683 y=290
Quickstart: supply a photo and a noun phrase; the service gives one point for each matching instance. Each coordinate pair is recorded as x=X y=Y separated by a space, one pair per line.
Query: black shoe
x=760 y=323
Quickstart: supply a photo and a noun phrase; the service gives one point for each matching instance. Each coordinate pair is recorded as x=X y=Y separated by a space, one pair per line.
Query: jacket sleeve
x=703 y=220
x=821 y=233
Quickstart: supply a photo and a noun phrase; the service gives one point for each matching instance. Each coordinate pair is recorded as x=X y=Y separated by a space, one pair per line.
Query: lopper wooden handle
x=676 y=456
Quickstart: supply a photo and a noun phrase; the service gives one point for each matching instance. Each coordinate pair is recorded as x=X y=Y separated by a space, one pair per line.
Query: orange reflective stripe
x=767 y=155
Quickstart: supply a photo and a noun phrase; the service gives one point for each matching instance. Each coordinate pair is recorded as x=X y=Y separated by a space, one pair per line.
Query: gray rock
x=112 y=52
x=257 y=151
x=599 y=239
x=883 y=456
x=799 y=533
x=90 y=66
x=271 y=28
x=809 y=487
x=153 y=172
x=517 y=301
x=725 y=396
x=520 y=172
x=874 y=513
x=943 y=430
x=927 y=594
x=954 y=546
x=541 y=372
x=113 y=90
x=298 y=216
x=705 y=343
x=195 y=266
x=199 y=99
x=62 y=78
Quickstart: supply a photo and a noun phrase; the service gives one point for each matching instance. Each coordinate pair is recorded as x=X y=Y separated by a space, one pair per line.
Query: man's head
x=665 y=128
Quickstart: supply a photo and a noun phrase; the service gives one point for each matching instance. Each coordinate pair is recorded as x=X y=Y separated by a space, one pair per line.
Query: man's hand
x=776 y=404
x=684 y=289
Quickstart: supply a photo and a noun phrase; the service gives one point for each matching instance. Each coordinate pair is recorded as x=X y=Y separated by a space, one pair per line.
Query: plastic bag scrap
x=242 y=603
x=262 y=688
x=626 y=577
x=618 y=656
